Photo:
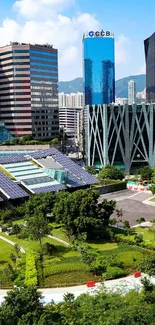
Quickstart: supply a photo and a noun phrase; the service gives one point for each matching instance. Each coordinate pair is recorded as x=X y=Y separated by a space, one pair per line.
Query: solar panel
x=38 y=180
x=11 y=189
x=76 y=174
x=12 y=159
x=47 y=189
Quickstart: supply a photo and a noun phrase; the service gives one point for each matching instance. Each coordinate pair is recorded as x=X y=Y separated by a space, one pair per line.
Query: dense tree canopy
x=81 y=213
x=91 y=170
x=145 y=173
x=111 y=172
x=23 y=306
x=42 y=203
x=37 y=227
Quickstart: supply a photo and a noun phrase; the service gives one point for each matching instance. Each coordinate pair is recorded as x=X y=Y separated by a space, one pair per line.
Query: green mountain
x=72 y=86
x=121 y=85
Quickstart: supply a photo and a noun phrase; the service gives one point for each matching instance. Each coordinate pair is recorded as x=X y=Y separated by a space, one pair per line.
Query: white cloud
x=9 y=31
x=65 y=33
x=142 y=70
x=41 y=9
x=121 y=48
x=45 y=22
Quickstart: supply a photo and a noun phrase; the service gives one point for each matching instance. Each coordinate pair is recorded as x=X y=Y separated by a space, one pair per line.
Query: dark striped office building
x=29 y=90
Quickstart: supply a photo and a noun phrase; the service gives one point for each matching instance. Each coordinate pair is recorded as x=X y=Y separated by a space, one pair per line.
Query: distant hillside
x=72 y=86
x=121 y=85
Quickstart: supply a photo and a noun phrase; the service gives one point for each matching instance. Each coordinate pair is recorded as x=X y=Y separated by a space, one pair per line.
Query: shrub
x=130 y=258
x=138 y=239
x=30 y=272
x=113 y=272
x=63 y=268
x=111 y=172
x=49 y=249
x=15 y=229
x=125 y=239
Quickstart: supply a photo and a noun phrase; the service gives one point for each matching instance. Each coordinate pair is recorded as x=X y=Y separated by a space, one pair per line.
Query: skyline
x=63 y=22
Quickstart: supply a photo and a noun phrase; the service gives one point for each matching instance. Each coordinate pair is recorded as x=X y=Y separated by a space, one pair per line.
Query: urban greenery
x=95 y=248
x=145 y=173
x=30 y=272
x=111 y=172
x=24 y=305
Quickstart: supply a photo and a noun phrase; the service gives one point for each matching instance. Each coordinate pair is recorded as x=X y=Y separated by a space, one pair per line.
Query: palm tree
x=140 y=220
x=119 y=213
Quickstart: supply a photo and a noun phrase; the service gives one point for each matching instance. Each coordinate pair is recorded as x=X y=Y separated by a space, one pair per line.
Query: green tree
x=37 y=228
x=91 y=170
x=111 y=172
x=126 y=224
x=148 y=264
x=13 y=258
x=152 y=189
x=42 y=203
x=55 y=141
x=119 y=214
x=152 y=228
x=81 y=213
x=21 y=303
x=140 y=220
x=145 y=173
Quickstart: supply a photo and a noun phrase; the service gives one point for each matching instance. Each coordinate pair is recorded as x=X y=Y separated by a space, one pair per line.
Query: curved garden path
x=12 y=243
x=59 y=240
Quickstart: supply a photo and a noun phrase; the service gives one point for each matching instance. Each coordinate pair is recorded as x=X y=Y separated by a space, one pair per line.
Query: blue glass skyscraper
x=99 y=68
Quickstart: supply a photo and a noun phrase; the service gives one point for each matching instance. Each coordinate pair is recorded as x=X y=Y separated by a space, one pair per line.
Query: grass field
x=65 y=267
x=30 y=245
x=152 y=200
x=5 y=250
x=147 y=235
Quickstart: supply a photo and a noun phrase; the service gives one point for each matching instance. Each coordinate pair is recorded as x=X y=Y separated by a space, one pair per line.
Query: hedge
x=113 y=187
x=131 y=241
x=62 y=268
x=113 y=272
x=30 y=272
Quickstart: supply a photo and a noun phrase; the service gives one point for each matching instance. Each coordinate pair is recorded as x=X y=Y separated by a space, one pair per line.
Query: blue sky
x=62 y=23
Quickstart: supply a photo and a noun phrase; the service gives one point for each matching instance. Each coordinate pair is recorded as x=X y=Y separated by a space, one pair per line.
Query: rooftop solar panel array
x=12 y=190
x=12 y=159
x=38 y=180
x=46 y=189
x=81 y=177
x=77 y=177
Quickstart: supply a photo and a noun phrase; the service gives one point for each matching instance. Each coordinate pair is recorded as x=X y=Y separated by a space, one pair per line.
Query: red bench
x=90 y=284
x=137 y=274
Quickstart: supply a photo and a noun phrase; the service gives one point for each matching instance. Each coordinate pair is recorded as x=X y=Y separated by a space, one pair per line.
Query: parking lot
x=131 y=204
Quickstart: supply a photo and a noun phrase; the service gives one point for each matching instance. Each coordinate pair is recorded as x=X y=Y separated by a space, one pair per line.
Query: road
x=131 y=204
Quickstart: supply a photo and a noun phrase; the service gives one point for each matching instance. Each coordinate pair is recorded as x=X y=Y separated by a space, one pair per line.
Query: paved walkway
x=59 y=240
x=12 y=243
x=122 y=285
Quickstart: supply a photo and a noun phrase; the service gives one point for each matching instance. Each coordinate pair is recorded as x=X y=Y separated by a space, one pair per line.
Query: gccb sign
x=96 y=34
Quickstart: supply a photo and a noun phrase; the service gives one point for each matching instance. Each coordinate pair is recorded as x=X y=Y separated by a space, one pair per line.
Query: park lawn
x=18 y=222
x=147 y=235
x=65 y=267
x=68 y=269
x=104 y=246
x=152 y=200
x=5 y=250
x=29 y=244
x=58 y=231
